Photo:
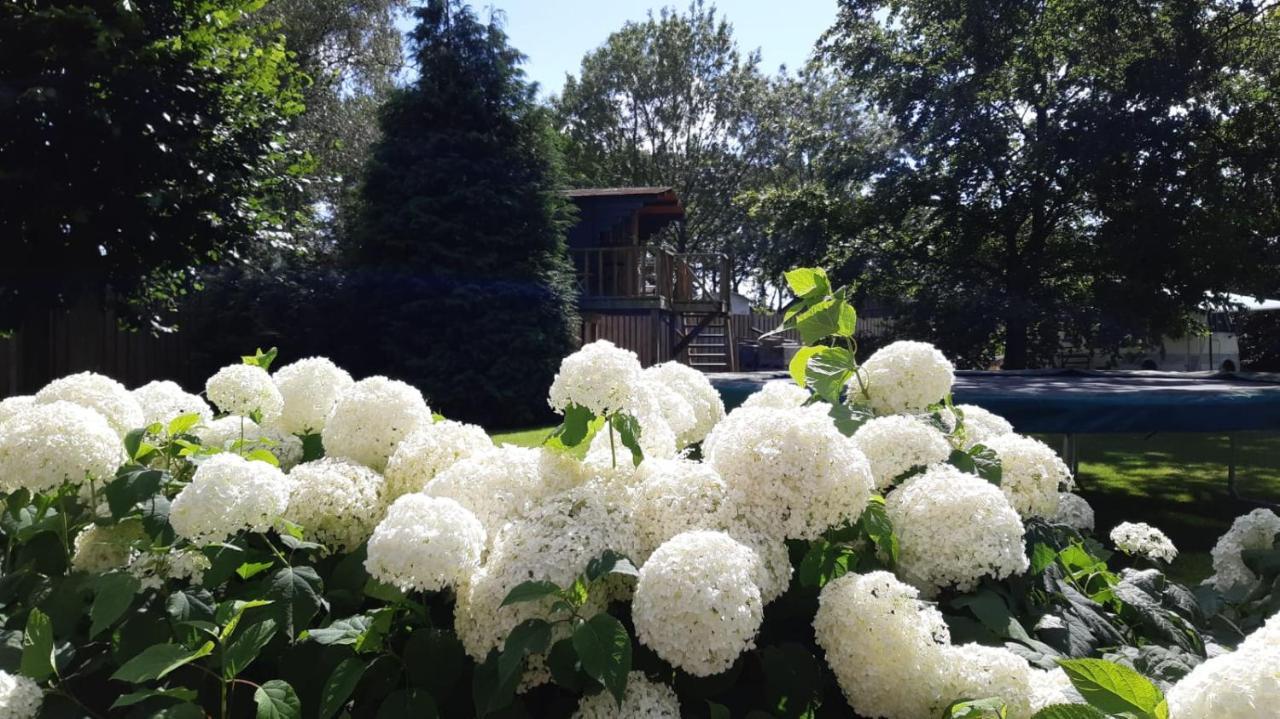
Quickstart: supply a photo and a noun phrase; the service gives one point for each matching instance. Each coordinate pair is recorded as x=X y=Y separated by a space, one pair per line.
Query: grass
x=1177 y=482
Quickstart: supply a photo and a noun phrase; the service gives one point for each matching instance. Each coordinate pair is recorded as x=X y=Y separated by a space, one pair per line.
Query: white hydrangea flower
x=244 y=389
x=599 y=377
x=101 y=548
x=674 y=409
x=11 y=407
x=696 y=389
x=102 y=394
x=426 y=544
x=774 y=575
x=672 y=496
x=1244 y=684
x=778 y=394
x=1255 y=530
x=954 y=528
x=49 y=444
x=975 y=671
x=1074 y=511
x=897 y=443
x=552 y=541
x=883 y=645
x=371 y=418
x=337 y=502
x=790 y=468
x=287 y=448
x=153 y=569
x=20 y=697
x=1144 y=540
x=697 y=604
x=903 y=377
x=422 y=455
x=309 y=387
x=163 y=401
x=495 y=484
x=1031 y=474
x=229 y=494
x=981 y=425
x=644 y=699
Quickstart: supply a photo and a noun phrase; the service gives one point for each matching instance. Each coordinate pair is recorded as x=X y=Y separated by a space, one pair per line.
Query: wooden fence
x=751 y=326
x=87 y=337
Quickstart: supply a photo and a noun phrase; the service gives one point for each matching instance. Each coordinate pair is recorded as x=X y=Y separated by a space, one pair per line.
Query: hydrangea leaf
x=339 y=686
x=158 y=660
x=242 y=650
x=1115 y=688
x=37 y=647
x=530 y=592
x=1069 y=711
x=531 y=636
x=408 y=704
x=277 y=700
x=808 y=282
x=604 y=647
x=113 y=593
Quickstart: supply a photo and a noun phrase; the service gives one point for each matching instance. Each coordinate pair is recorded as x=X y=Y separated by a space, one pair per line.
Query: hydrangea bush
x=305 y=544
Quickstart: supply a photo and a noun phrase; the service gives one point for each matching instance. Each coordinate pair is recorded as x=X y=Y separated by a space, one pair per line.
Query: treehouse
x=637 y=292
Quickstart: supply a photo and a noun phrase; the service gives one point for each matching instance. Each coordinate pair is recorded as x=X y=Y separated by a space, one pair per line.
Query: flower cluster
x=692 y=386
x=101 y=548
x=644 y=700
x=896 y=444
x=153 y=569
x=244 y=390
x=790 y=468
x=11 y=407
x=777 y=394
x=1074 y=511
x=1255 y=530
x=163 y=401
x=102 y=394
x=599 y=377
x=337 y=501
x=20 y=698
x=58 y=442
x=672 y=496
x=425 y=544
x=371 y=417
x=422 y=455
x=981 y=425
x=903 y=377
x=697 y=604
x=310 y=388
x=229 y=494
x=1032 y=474
x=496 y=484
x=1143 y=540
x=953 y=529
x=1244 y=684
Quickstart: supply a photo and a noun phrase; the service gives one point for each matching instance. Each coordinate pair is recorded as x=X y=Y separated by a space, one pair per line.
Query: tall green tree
x=351 y=50
x=1064 y=168
x=669 y=101
x=461 y=272
x=137 y=141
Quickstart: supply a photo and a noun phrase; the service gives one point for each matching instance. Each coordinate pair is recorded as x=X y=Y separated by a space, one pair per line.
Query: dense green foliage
x=1061 y=170
x=137 y=140
x=457 y=260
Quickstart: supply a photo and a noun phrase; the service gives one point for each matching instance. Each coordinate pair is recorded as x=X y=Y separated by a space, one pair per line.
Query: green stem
x=613 y=453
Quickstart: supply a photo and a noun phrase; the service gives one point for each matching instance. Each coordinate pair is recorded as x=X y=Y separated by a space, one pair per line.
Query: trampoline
x=1073 y=402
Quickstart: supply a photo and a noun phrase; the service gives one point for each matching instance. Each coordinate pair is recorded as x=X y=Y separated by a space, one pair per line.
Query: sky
x=555 y=34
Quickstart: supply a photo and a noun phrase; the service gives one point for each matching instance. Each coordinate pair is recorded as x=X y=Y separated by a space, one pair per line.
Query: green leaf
x=179 y=693
x=113 y=594
x=345 y=631
x=824 y=562
x=133 y=443
x=263 y=455
x=260 y=358
x=1042 y=555
x=298 y=592
x=610 y=562
x=37 y=647
x=989 y=708
x=488 y=694
x=277 y=700
x=531 y=636
x=799 y=365
x=530 y=591
x=249 y=570
x=1069 y=711
x=628 y=428
x=246 y=646
x=128 y=489
x=848 y=418
x=824 y=319
x=717 y=711
x=408 y=704
x=1115 y=689
x=576 y=426
x=987 y=464
x=604 y=647
x=828 y=371
x=808 y=282
x=157 y=660
x=183 y=422
x=339 y=686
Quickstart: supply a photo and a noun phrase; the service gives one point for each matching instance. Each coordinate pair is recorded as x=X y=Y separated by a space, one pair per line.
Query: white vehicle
x=1215 y=350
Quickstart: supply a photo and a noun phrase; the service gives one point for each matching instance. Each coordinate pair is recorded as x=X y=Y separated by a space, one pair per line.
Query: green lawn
x=1177 y=482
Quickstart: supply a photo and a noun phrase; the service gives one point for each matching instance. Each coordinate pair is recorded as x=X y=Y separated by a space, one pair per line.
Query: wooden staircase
x=705 y=341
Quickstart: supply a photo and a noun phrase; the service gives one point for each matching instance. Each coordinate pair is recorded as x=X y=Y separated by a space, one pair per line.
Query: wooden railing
x=651 y=272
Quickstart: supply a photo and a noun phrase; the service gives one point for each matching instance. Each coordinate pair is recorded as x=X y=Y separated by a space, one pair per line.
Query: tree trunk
x=1015 y=341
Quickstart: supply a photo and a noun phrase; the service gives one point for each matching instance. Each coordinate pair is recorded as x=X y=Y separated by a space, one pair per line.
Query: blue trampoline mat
x=1097 y=402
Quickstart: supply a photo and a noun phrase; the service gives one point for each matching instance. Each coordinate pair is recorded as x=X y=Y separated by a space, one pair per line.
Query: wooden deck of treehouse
x=661 y=304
